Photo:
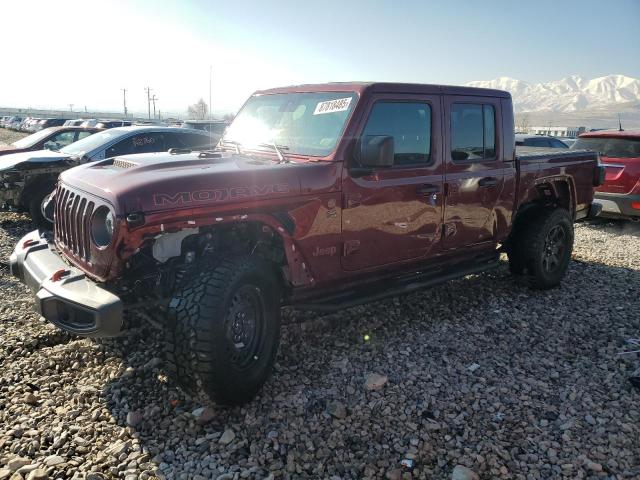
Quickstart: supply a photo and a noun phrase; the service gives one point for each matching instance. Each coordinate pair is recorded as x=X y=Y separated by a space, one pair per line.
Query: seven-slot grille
x=73 y=222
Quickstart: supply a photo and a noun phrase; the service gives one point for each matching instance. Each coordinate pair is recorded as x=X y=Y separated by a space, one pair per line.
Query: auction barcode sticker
x=330 y=106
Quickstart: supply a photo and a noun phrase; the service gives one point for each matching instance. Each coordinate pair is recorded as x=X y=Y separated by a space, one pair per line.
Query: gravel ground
x=481 y=372
x=9 y=136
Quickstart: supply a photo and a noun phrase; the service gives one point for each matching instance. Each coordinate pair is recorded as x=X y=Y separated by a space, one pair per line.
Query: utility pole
x=71 y=107
x=148 y=89
x=210 y=72
x=153 y=99
x=124 y=99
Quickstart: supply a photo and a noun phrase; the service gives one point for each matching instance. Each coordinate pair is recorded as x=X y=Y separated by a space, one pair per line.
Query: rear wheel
x=223 y=330
x=542 y=248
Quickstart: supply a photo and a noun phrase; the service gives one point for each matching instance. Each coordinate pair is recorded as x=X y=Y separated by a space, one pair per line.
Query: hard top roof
x=387 y=87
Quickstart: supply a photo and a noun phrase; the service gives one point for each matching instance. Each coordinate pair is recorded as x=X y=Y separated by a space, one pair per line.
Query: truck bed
x=540 y=154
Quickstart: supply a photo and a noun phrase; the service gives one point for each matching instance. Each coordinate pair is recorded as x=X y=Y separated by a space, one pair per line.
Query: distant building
x=570 y=132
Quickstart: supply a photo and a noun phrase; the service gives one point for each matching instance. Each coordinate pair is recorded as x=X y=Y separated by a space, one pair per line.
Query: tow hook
x=59 y=274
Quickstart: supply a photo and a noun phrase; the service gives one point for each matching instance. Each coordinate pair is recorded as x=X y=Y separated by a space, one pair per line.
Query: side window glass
x=193 y=140
x=83 y=134
x=58 y=141
x=123 y=147
x=473 y=132
x=148 y=142
x=410 y=126
x=187 y=140
x=539 y=142
x=489 y=131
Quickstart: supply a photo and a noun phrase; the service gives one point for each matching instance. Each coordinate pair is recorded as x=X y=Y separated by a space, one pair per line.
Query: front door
x=394 y=214
x=475 y=170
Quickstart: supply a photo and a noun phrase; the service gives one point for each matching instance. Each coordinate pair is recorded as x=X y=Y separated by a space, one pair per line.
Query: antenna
x=620 y=124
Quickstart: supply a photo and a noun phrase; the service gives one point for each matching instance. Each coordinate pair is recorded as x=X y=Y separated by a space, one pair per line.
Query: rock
x=53 y=460
x=134 y=418
x=118 y=448
x=227 y=437
x=27 y=469
x=593 y=466
x=30 y=399
x=38 y=474
x=4 y=473
x=95 y=476
x=473 y=367
x=204 y=415
x=153 y=363
x=460 y=472
x=337 y=410
x=590 y=420
x=16 y=476
x=16 y=463
x=395 y=474
x=375 y=381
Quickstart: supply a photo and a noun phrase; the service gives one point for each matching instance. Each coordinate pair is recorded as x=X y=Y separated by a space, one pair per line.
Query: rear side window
x=83 y=134
x=410 y=126
x=558 y=144
x=188 y=140
x=537 y=142
x=473 y=132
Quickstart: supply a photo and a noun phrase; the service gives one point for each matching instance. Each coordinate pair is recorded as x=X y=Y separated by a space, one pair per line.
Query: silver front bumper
x=63 y=294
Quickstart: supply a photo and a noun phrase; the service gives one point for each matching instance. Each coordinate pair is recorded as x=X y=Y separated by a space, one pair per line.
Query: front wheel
x=36 y=199
x=223 y=330
x=545 y=245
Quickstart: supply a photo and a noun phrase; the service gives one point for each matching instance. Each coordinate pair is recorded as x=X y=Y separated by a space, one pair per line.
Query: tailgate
x=622 y=175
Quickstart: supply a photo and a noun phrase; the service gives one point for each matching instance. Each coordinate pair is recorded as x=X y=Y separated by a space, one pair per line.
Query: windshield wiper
x=234 y=143
x=278 y=149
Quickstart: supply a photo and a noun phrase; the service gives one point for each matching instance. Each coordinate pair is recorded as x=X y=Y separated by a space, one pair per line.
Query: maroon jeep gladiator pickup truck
x=318 y=196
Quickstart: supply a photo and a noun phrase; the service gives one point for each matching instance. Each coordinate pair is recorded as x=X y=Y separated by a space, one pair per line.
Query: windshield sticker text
x=331 y=106
x=218 y=194
x=141 y=141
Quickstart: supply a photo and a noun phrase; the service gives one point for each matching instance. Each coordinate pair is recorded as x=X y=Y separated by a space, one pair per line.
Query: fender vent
x=123 y=164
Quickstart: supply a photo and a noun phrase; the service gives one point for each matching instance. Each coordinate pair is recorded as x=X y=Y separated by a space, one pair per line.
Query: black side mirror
x=376 y=151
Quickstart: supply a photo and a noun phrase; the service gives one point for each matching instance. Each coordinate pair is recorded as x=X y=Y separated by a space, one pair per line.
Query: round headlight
x=102 y=225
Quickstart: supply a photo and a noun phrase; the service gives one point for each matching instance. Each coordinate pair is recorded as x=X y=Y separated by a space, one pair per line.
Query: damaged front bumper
x=64 y=295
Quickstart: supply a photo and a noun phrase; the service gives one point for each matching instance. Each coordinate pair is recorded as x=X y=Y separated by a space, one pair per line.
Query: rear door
x=475 y=170
x=394 y=214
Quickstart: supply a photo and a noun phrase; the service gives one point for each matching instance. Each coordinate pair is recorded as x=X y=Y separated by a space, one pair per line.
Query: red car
x=620 y=154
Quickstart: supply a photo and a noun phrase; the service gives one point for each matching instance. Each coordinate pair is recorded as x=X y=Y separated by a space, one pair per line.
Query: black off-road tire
x=542 y=248
x=206 y=326
x=35 y=199
x=516 y=260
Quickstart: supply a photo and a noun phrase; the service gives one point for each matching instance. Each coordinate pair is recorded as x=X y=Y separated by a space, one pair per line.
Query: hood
x=41 y=156
x=163 y=181
x=8 y=149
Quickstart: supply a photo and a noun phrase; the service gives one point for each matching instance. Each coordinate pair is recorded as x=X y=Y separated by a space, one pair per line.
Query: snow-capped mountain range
x=571 y=94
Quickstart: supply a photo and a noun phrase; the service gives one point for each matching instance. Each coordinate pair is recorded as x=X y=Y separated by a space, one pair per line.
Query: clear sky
x=83 y=52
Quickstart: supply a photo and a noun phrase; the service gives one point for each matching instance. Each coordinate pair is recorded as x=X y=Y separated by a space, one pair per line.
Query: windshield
x=90 y=143
x=610 y=146
x=31 y=140
x=300 y=123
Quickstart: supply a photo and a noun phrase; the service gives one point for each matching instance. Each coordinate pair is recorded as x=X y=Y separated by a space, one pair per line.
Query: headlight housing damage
x=102 y=226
